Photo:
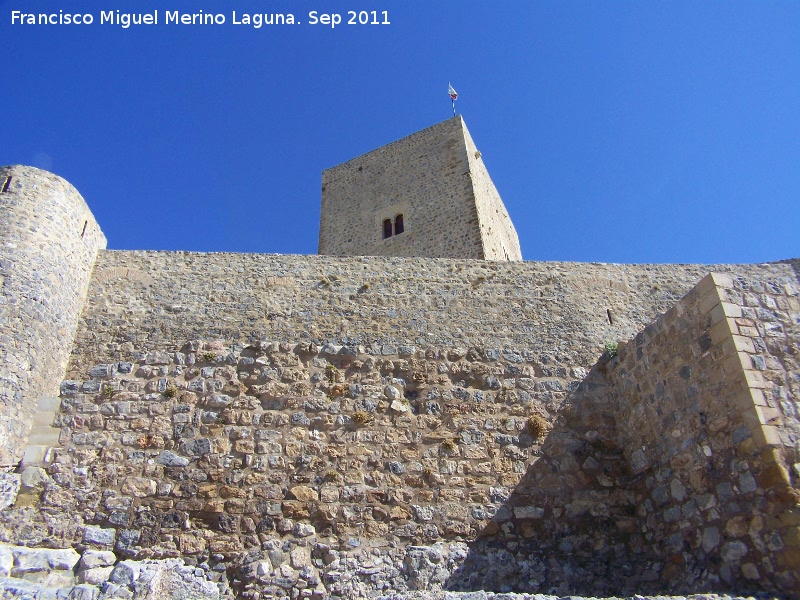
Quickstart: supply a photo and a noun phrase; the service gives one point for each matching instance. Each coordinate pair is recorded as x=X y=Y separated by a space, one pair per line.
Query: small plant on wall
x=330 y=373
x=449 y=446
x=361 y=417
x=537 y=426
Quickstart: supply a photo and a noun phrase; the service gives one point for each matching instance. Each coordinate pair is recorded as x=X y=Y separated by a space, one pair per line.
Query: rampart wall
x=712 y=431
x=158 y=300
x=672 y=466
x=385 y=465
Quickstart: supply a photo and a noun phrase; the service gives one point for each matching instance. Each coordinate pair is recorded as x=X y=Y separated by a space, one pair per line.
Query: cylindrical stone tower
x=48 y=244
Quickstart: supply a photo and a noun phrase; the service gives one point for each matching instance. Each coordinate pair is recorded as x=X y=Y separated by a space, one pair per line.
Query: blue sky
x=614 y=131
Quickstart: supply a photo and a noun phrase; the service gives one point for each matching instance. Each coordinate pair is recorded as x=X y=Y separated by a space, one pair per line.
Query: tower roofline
x=397 y=141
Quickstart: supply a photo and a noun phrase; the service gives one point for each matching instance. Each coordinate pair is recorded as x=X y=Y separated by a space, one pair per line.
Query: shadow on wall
x=570 y=525
x=595 y=517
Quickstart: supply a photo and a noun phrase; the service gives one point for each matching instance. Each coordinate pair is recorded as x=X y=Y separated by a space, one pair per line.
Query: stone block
x=528 y=512
x=720 y=332
x=42 y=418
x=757 y=397
x=97 y=558
x=90 y=592
x=6 y=560
x=95 y=575
x=722 y=280
x=170 y=459
x=726 y=311
x=53 y=579
x=33 y=478
x=50 y=404
x=32 y=559
x=9 y=488
x=768 y=415
x=733 y=366
x=304 y=493
x=139 y=487
x=754 y=379
x=708 y=301
x=744 y=344
x=44 y=436
x=99 y=535
x=767 y=435
x=706 y=286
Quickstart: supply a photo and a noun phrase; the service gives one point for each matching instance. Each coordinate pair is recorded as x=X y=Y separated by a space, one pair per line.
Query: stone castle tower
x=49 y=245
x=426 y=195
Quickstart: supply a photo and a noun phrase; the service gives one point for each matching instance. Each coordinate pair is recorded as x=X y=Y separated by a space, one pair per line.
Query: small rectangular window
x=387 y=228
x=398 y=225
x=6 y=185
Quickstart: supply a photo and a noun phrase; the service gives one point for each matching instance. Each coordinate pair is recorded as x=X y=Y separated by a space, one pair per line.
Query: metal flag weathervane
x=453 y=96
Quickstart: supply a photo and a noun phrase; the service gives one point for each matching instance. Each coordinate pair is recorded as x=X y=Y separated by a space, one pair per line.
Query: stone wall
x=158 y=300
x=356 y=470
x=707 y=438
x=436 y=181
x=672 y=467
x=292 y=466
x=49 y=243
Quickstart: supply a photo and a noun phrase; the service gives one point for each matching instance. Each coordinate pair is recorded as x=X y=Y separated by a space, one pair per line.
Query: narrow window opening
x=6 y=185
x=398 y=225
x=610 y=316
x=387 y=228
x=85 y=223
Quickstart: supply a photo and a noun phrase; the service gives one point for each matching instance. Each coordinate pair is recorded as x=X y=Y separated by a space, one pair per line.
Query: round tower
x=49 y=240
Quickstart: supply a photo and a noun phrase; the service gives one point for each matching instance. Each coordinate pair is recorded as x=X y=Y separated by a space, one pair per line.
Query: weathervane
x=453 y=96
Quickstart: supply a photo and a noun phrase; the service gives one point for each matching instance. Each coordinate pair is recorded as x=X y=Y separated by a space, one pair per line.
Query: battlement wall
x=158 y=300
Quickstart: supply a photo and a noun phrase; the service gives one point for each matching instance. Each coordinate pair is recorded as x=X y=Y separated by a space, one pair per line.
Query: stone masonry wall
x=355 y=470
x=289 y=466
x=49 y=243
x=709 y=429
x=428 y=178
x=769 y=315
x=158 y=300
x=668 y=468
x=499 y=238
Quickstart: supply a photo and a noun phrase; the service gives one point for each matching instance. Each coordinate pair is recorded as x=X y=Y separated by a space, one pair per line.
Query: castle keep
x=428 y=195
x=414 y=409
